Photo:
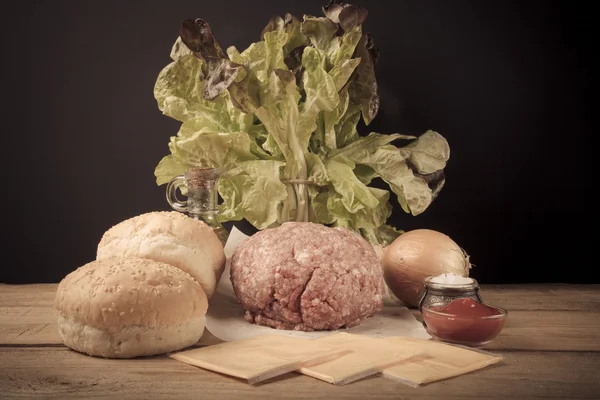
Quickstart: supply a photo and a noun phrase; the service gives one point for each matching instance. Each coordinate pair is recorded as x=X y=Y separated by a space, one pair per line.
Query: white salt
x=451 y=278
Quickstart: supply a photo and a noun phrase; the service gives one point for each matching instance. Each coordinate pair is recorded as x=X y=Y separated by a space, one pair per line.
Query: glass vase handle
x=176 y=204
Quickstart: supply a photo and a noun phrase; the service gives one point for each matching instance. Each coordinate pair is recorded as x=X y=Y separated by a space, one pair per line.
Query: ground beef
x=306 y=277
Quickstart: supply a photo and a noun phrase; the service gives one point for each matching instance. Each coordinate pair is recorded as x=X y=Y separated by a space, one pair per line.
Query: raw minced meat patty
x=306 y=276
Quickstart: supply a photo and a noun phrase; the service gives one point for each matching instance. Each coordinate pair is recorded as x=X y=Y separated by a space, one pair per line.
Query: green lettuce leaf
x=415 y=188
x=289 y=122
x=341 y=72
x=428 y=154
x=382 y=235
x=258 y=133
x=168 y=168
x=333 y=117
x=330 y=208
x=371 y=148
x=346 y=130
x=212 y=150
x=354 y=194
x=364 y=173
x=321 y=93
x=274 y=55
x=253 y=58
x=179 y=94
x=280 y=120
x=347 y=48
x=292 y=27
x=317 y=170
x=179 y=50
x=275 y=90
x=321 y=33
x=178 y=88
x=254 y=193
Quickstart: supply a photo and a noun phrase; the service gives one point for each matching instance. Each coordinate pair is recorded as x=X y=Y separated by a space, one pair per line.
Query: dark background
x=505 y=82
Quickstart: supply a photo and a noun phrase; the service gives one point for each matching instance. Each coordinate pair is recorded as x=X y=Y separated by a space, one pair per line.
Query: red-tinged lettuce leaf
x=347 y=15
x=287 y=108
x=293 y=60
x=295 y=41
x=198 y=37
x=363 y=88
x=372 y=50
x=221 y=74
x=291 y=26
x=244 y=95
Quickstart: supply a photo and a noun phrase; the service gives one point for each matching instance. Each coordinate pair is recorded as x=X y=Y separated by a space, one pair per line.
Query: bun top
x=170 y=237
x=116 y=292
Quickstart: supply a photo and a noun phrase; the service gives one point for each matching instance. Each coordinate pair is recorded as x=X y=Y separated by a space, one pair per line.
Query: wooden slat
x=513 y=297
x=27 y=315
x=27 y=295
x=524 y=330
x=543 y=297
x=541 y=317
x=28 y=318
x=37 y=326
x=550 y=331
x=28 y=325
x=60 y=373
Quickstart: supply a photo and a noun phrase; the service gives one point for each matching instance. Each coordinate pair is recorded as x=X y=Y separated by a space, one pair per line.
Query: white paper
x=225 y=317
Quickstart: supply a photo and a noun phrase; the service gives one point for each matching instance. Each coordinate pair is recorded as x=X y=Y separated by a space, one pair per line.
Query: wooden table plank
x=562 y=318
x=513 y=297
x=27 y=317
x=543 y=297
x=29 y=326
x=550 y=331
x=27 y=295
x=60 y=373
x=524 y=330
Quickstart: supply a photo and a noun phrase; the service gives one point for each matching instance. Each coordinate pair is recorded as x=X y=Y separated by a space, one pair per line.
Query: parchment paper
x=225 y=316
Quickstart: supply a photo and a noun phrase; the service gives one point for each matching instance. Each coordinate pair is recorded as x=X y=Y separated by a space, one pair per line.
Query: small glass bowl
x=474 y=331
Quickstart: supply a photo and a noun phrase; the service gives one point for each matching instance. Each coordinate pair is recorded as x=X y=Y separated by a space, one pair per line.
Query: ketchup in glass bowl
x=464 y=321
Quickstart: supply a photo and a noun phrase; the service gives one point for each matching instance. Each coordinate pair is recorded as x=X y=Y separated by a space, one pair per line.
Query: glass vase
x=200 y=185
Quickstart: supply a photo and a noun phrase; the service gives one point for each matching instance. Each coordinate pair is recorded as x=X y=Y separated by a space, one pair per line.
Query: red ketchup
x=464 y=321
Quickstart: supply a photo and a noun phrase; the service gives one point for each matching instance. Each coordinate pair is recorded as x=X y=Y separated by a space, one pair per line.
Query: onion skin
x=417 y=254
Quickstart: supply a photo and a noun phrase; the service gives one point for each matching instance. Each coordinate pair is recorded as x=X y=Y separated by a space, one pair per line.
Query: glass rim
x=436 y=285
x=503 y=313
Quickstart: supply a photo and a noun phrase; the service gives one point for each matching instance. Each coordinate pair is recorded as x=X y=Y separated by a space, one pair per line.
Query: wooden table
x=550 y=345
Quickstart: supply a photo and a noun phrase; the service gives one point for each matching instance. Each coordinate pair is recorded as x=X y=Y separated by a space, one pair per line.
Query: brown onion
x=417 y=254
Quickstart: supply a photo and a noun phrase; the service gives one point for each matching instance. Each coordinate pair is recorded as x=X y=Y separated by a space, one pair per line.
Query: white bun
x=129 y=307
x=170 y=237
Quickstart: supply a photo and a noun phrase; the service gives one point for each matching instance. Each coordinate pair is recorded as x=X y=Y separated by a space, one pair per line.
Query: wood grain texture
x=550 y=345
x=524 y=330
x=60 y=373
x=27 y=317
x=513 y=297
x=543 y=297
x=550 y=331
